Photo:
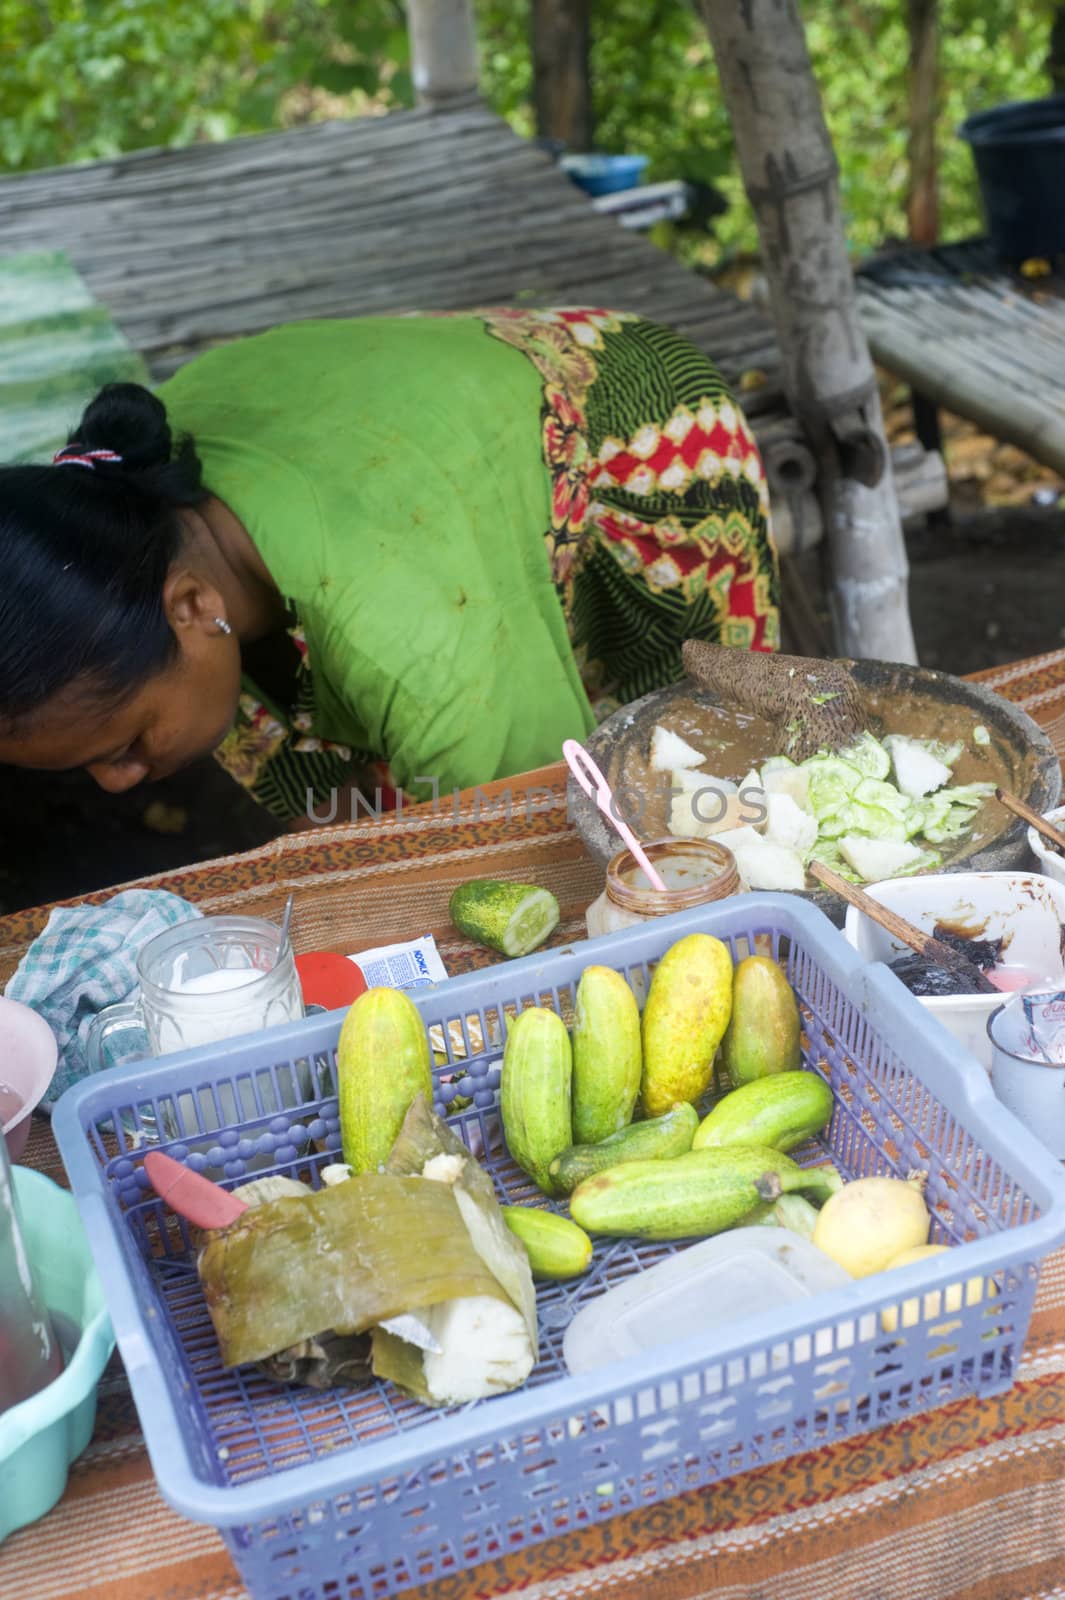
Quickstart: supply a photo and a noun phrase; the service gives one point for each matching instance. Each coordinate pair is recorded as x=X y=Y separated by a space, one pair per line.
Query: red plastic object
x=192 y=1196
x=329 y=980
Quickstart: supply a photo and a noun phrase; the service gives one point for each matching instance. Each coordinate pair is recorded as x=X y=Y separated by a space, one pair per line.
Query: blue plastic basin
x=41 y=1437
x=604 y=174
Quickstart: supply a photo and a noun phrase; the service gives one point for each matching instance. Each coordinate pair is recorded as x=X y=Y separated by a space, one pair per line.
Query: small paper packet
x=411 y=964
x=1032 y=1026
x=1044 y=1019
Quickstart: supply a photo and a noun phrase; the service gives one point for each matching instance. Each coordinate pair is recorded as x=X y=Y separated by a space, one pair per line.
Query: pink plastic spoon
x=596 y=788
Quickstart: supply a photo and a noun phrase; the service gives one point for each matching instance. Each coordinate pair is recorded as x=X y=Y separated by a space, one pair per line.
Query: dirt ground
x=987 y=586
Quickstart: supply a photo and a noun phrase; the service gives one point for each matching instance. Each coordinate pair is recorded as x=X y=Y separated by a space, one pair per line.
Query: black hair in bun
x=85 y=551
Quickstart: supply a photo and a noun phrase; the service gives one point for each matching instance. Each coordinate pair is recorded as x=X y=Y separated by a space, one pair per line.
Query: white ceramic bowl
x=28 y=1054
x=1050 y=862
x=1025 y=909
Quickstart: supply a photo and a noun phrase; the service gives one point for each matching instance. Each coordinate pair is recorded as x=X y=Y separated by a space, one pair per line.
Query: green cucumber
x=782 y=1110
x=383 y=1064
x=657 y=1139
x=536 y=1092
x=607 y=1055
x=511 y=918
x=690 y=1197
x=869 y=756
x=556 y=1247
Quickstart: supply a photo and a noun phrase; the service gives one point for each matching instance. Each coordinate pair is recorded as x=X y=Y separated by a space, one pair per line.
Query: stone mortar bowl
x=1032 y=770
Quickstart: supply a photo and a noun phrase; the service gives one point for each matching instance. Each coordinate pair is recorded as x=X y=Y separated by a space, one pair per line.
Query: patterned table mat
x=963 y=1503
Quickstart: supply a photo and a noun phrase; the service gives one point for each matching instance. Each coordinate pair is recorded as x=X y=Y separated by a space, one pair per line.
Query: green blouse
x=391 y=475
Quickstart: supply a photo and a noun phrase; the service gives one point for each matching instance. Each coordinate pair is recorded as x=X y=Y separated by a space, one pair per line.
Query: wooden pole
x=1055 y=61
x=790 y=174
x=443 y=47
x=922 y=200
x=562 y=88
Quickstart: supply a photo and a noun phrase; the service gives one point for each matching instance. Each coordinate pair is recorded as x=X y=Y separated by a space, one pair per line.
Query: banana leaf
x=484 y=1351
x=342 y=1259
x=324 y=1362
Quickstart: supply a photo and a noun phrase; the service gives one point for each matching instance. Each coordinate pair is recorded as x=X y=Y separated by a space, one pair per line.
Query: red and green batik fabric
x=660 y=510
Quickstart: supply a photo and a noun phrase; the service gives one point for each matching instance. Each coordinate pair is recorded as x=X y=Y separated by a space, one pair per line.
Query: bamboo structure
x=982 y=350
x=443 y=47
x=790 y=174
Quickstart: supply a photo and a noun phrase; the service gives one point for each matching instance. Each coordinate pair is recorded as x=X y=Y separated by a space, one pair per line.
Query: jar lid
x=329 y=980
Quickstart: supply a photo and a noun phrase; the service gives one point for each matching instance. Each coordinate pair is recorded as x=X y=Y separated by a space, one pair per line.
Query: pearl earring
x=220 y=622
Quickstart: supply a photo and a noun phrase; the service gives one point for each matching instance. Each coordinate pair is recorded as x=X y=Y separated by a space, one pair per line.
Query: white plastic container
x=738 y=1274
x=1025 y=909
x=1050 y=863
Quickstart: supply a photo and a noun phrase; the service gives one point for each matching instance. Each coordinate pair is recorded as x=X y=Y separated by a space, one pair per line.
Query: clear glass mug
x=207 y=979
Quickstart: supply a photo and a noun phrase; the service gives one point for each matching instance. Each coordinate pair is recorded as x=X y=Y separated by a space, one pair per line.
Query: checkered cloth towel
x=86 y=959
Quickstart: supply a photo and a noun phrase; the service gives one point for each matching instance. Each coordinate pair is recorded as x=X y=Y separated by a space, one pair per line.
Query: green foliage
x=657 y=93
x=91 y=78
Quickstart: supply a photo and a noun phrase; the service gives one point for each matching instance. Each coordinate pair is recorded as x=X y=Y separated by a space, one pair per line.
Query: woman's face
x=170 y=720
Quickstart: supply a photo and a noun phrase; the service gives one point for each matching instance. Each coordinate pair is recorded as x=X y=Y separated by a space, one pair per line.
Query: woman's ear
x=190 y=602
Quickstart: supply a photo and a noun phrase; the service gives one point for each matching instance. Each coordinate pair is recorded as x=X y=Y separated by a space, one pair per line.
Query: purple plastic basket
x=348 y=1495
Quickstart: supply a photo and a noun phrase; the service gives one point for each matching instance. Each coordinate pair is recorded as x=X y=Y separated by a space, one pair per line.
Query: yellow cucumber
x=535 y=1092
x=383 y=1064
x=691 y=1196
x=687 y=1011
x=607 y=1055
x=783 y=1110
x=556 y=1247
x=654 y=1140
x=764 y=1031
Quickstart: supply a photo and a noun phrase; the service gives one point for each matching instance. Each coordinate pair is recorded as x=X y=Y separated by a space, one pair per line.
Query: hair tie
x=72 y=455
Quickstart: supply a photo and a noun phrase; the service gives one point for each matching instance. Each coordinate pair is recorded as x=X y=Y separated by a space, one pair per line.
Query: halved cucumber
x=513 y=918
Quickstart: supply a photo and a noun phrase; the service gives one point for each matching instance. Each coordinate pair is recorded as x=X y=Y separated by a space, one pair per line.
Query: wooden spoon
x=1044 y=828
x=923 y=943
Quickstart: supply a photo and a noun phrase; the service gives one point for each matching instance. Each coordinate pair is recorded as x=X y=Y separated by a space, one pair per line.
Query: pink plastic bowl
x=28 y=1056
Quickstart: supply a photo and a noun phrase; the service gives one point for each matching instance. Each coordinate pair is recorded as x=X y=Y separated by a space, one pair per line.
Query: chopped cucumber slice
x=981 y=735
x=832 y=782
x=874 y=792
x=971 y=794
x=869 y=756
x=876 y=821
x=512 y=918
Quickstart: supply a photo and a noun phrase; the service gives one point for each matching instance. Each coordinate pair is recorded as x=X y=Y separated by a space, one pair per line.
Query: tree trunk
x=562 y=88
x=443 y=48
x=922 y=201
x=1055 y=61
x=790 y=174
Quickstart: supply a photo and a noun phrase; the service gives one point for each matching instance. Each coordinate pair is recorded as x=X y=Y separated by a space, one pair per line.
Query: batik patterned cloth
x=660 y=511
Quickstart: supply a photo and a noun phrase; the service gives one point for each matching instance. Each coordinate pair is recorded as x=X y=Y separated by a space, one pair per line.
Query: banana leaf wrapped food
x=298 y=1282
x=488 y=1340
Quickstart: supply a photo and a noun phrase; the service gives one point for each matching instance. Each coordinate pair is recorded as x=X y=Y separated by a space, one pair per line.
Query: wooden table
x=962 y=1503
x=971 y=338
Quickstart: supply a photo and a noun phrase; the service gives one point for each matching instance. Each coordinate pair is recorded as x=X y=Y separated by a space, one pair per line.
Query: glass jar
x=696 y=872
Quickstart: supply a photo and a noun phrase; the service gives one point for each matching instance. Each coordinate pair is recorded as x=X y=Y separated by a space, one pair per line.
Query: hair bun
x=129 y=419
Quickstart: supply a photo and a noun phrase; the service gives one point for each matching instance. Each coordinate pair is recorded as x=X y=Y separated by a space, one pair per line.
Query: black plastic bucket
x=1019 y=150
